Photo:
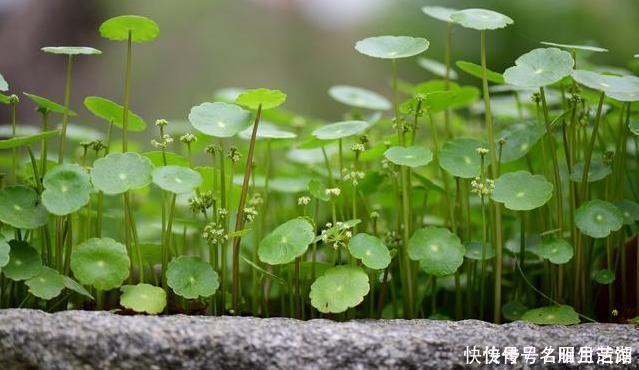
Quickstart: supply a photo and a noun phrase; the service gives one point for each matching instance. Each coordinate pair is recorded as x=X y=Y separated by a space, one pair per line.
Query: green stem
x=555 y=164
x=14 y=151
x=127 y=96
x=43 y=145
x=65 y=115
x=588 y=157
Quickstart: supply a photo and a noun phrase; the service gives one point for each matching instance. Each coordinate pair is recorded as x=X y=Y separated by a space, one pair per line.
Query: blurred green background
x=299 y=46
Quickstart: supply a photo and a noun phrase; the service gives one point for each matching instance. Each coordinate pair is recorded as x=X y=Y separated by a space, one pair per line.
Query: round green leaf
x=318 y=190
x=67 y=189
x=176 y=179
x=5 y=248
x=192 y=277
x=520 y=139
x=552 y=315
x=100 y=262
x=219 y=119
x=370 y=250
x=49 y=105
x=513 y=311
x=439 y=251
x=576 y=47
x=21 y=208
x=266 y=130
x=598 y=170
x=338 y=289
x=120 y=172
x=475 y=250
x=113 y=112
x=143 y=298
x=340 y=130
x=622 y=88
x=268 y=99
x=392 y=47
x=459 y=157
x=359 y=98
x=71 y=50
x=24 y=261
x=141 y=29
x=540 y=67
x=481 y=19
x=604 y=276
x=47 y=284
x=287 y=242
x=522 y=191
x=439 y=12
x=598 y=218
x=436 y=68
x=477 y=71
x=630 y=211
x=557 y=251
x=410 y=156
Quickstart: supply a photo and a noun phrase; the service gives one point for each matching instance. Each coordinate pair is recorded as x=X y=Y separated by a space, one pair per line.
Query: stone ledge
x=79 y=340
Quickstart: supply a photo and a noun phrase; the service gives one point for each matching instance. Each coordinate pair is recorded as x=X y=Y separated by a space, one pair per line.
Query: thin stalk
x=447 y=61
x=14 y=151
x=65 y=115
x=223 y=247
x=43 y=144
x=166 y=243
x=239 y=221
x=588 y=157
x=127 y=95
x=555 y=165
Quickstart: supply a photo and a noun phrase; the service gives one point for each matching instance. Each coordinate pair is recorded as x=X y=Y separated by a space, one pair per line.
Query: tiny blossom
x=202 y=202
x=374 y=215
x=482 y=151
x=392 y=240
x=98 y=145
x=161 y=123
x=222 y=212
x=336 y=236
x=256 y=200
x=353 y=175
x=358 y=147
x=214 y=234
x=188 y=138
x=163 y=143
x=212 y=149
x=482 y=187
x=234 y=154
x=14 y=99
x=536 y=98
x=303 y=200
x=333 y=192
x=250 y=213
x=502 y=141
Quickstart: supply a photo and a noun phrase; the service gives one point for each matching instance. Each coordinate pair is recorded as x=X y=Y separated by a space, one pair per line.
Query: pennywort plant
x=515 y=199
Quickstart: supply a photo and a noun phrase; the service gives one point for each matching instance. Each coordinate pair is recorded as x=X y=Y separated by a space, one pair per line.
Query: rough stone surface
x=81 y=340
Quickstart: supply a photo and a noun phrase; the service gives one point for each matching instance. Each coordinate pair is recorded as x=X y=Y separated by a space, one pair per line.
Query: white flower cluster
x=303 y=200
x=358 y=147
x=214 y=234
x=482 y=187
x=250 y=213
x=256 y=200
x=161 y=123
x=188 y=138
x=222 y=213
x=337 y=235
x=165 y=140
x=333 y=192
x=353 y=175
x=482 y=151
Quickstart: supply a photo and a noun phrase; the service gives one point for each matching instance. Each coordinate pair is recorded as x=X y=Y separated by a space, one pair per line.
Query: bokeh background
x=299 y=46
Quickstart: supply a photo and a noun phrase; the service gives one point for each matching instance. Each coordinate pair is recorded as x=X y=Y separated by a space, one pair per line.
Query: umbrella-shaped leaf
x=120 y=172
x=439 y=251
x=436 y=68
x=598 y=218
x=5 y=248
x=19 y=141
x=338 y=289
x=439 y=12
x=598 y=170
x=520 y=139
x=21 y=208
x=340 y=130
x=576 y=47
x=67 y=189
x=192 y=277
x=287 y=242
x=370 y=250
x=540 y=67
x=219 y=119
x=24 y=261
x=47 y=284
x=143 y=298
x=476 y=71
x=359 y=98
x=604 y=276
x=176 y=179
x=4 y=86
x=459 y=157
x=552 y=315
x=513 y=311
x=49 y=105
x=76 y=287
x=266 y=130
x=623 y=88
x=630 y=211
x=71 y=50
x=100 y=262
x=392 y=47
x=411 y=156
x=481 y=19
x=475 y=250
x=557 y=251
x=522 y=191
x=141 y=29
x=113 y=112
x=268 y=99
